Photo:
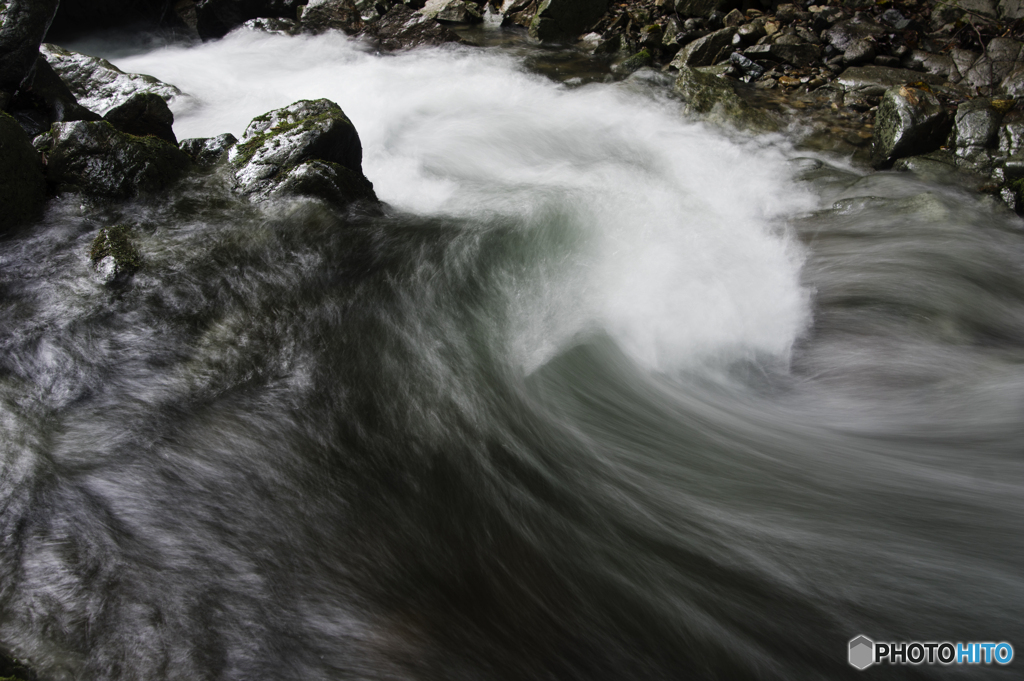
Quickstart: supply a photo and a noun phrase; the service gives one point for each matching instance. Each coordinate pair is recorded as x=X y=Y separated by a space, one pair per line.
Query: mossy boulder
x=22 y=183
x=309 y=148
x=99 y=160
x=910 y=121
x=99 y=85
x=114 y=253
x=708 y=95
x=145 y=113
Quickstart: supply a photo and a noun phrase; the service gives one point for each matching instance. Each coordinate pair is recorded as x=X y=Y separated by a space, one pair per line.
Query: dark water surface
x=604 y=395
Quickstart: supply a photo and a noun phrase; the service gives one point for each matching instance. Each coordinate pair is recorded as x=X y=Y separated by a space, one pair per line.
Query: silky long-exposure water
x=604 y=394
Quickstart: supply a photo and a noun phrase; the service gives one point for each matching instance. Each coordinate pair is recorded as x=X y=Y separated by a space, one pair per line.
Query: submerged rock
x=114 y=254
x=910 y=121
x=99 y=85
x=307 y=149
x=145 y=113
x=98 y=159
x=564 y=19
x=208 y=151
x=23 y=24
x=22 y=183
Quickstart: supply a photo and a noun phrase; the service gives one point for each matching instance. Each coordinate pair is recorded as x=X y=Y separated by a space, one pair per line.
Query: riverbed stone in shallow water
x=562 y=19
x=876 y=80
x=22 y=184
x=706 y=51
x=976 y=125
x=276 y=154
x=23 y=23
x=910 y=121
x=99 y=160
x=99 y=85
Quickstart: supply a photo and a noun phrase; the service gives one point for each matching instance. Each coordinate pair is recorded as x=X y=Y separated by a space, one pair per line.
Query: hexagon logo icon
x=862 y=652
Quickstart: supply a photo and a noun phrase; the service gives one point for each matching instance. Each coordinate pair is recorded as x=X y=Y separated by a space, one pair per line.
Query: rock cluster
x=51 y=142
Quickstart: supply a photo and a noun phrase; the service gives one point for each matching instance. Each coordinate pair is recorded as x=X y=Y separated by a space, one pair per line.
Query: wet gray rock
x=145 y=113
x=453 y=11
x=909 y=122
x=859 y=52
x=1013 y=84
x=95 y=158
x=845 y=32
x=23 y=24
x=402 y=28
x=876 y=80
x=802 y=54
x=941 y=167
x=976 y=125
x=564 y=19
x=215 y=18
x=324 y=15
x=708 y=96
x=995 y=64
x=22 y=183
x=307 y=149
x=1011 y=134
x=929 y=62
x=273 y=25
x=99 y=85
x=751 y=69
x=208 y=151
x=706 y=51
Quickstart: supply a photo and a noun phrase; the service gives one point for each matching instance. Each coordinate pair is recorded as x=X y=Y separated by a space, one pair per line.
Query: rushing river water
x=605 y=394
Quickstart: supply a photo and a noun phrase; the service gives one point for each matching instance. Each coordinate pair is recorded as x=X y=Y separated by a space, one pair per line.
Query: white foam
x=678 y=253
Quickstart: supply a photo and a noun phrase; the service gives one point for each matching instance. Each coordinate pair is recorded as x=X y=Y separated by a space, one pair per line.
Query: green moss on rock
x=117 y=242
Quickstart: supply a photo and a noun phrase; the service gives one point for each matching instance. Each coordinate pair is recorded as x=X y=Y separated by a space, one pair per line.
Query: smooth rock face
x=23 y=24
x=99 y=160
x=562 y=19
x=22 y=183
x=402 y=28
x=706 y=51
x=876 y=80
x=208 y=151
x=309 y=148
x=47 y=100
x=910 y=121
x=846 y=32
x=144 y=114
x=99 y=85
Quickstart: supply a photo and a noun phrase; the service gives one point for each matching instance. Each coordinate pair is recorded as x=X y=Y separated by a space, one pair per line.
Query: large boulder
x=910 y=121
x=144 y=114
x=307 y=149
x=46 y=100
x=22 y=183
x=453 y=11
x=709 y=96
x=706 y=51
x=215 y=18
x=565 y=19
x=99 y=160
x=402 y=28
x=325 y=15
x=23 y=24
x=208 y=151
x=99 y=85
